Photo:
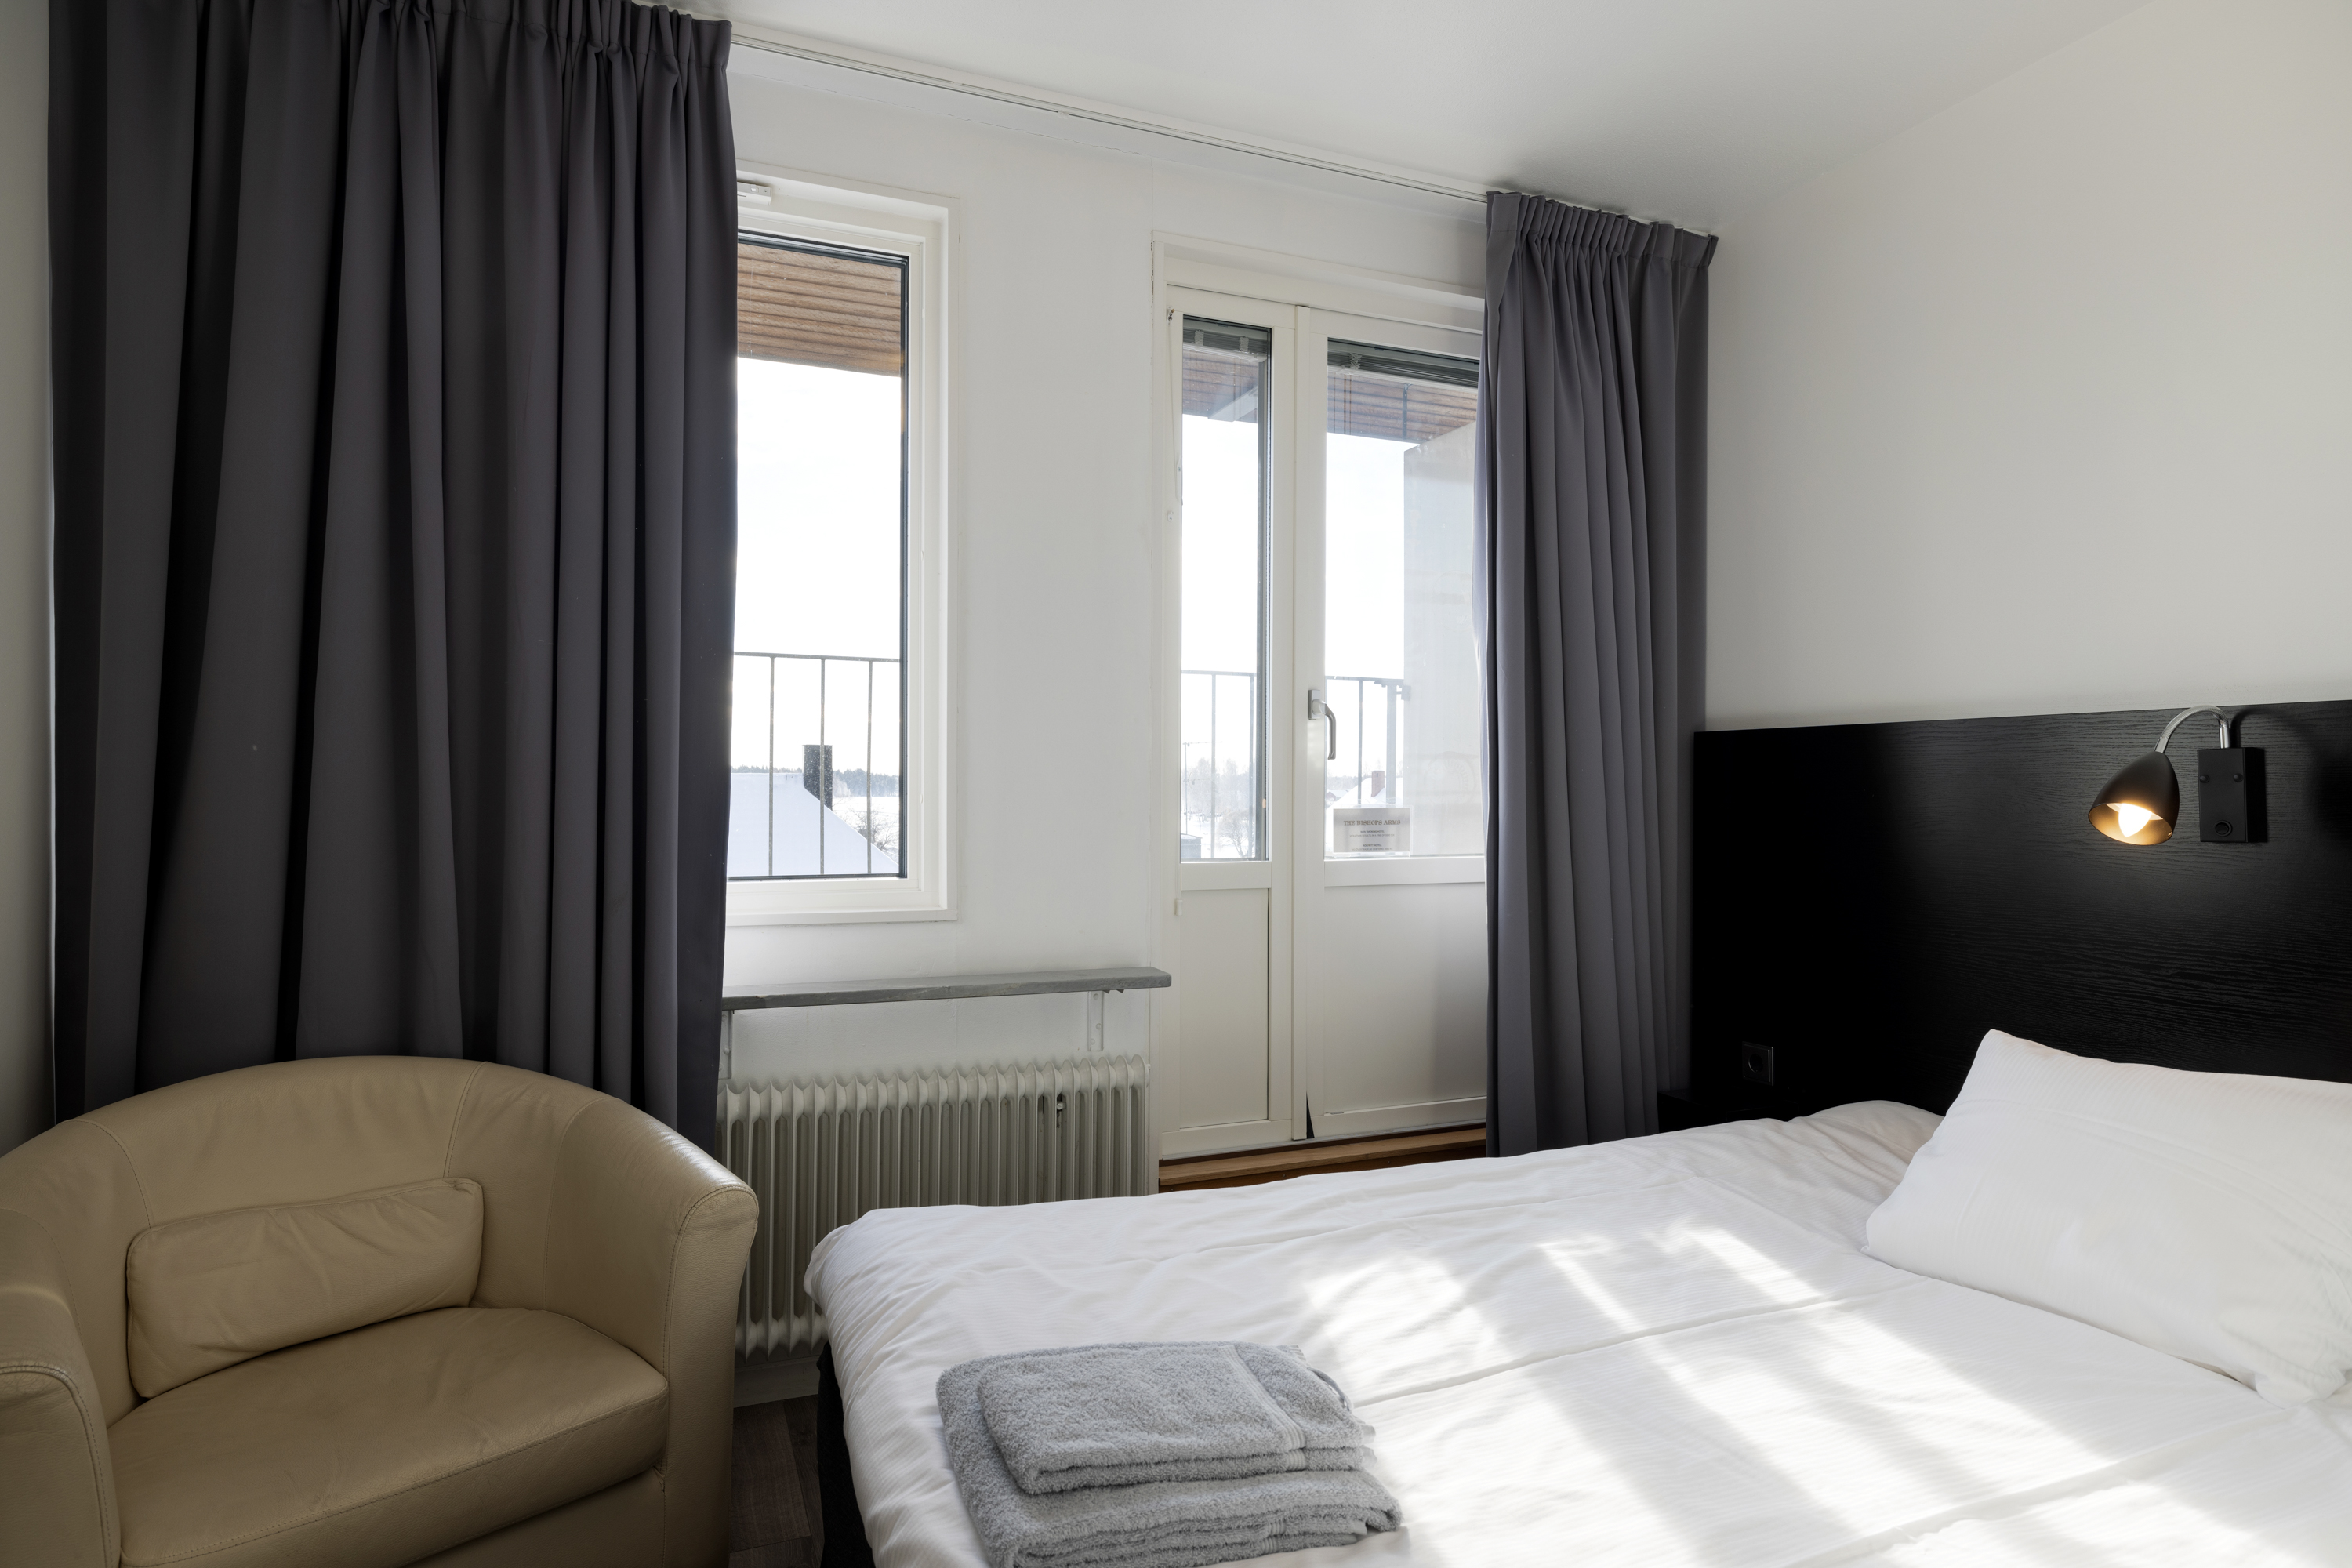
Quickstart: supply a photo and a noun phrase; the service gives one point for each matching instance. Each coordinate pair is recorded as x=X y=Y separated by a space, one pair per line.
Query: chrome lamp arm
x=2164 y=739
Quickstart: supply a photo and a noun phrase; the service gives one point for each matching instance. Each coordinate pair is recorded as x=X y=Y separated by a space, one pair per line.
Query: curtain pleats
x=1588 y=602
x=395 y=516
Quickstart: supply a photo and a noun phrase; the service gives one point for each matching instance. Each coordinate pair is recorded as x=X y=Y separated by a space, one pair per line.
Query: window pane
x=1398 y=639
x=1222 y=507
x=820 y=564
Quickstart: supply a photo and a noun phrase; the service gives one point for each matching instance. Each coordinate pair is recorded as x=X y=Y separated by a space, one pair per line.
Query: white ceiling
x=1688 y=110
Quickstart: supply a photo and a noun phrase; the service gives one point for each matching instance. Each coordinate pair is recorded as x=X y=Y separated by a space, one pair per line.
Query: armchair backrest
x=293 y=1132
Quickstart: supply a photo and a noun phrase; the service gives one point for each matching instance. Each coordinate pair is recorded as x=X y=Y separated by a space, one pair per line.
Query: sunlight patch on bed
x=1752 y=1266
x=2134 y=1525
x=1767 y=1412
x=2187 y=1533
x=1403 y=1291
x=1398 y=1295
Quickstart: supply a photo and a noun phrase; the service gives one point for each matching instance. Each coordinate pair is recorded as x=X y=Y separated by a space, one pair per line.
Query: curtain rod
x=1437 y=185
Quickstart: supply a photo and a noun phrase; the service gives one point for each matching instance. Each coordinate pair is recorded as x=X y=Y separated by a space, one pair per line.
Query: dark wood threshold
x=1320 y=1156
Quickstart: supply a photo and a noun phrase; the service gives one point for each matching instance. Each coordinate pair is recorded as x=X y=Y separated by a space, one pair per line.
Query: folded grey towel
x=1156 y=1524
x=1093 y=1416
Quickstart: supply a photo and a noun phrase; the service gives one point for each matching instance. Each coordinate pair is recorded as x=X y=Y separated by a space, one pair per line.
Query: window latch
x=1318 y=709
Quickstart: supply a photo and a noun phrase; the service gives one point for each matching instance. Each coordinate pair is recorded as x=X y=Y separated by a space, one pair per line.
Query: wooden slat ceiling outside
x=1222 y=385
x=1395 y=409
x=1392 y=408
x=830 y=310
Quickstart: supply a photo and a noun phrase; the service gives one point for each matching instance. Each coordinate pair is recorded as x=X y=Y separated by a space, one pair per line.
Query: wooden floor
x=1318 y=1156
x=777 y=1523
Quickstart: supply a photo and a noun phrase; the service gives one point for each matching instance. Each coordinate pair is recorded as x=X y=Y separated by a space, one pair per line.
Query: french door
x=1329 y=938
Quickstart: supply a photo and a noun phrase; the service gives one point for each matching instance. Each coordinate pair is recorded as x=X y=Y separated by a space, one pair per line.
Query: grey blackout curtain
x=393 y=570
x=1592 y=514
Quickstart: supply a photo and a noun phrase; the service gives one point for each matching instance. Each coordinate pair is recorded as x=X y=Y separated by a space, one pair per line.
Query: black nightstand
x=1678 y=1112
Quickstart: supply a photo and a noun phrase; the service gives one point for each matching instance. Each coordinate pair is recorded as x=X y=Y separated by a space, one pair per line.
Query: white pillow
x=2207 y=1215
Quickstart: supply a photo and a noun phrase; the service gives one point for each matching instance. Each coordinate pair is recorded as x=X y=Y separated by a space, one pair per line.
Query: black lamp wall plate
x=2230 y=795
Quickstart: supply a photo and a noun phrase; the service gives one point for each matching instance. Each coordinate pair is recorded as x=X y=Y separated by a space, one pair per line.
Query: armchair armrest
x=647 y=1238
x=56 y=1473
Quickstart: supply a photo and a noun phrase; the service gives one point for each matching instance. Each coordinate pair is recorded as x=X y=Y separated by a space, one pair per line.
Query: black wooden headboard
x=1869 y=899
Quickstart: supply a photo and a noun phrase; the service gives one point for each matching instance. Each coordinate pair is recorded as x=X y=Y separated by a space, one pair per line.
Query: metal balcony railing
x=1219 y=745
x=816 y=782
x=1376 y=716
x=1220 y=740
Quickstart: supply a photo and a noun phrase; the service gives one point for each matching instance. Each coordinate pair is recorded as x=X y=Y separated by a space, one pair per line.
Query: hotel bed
x=1676 y=1349
x=1667 y=1350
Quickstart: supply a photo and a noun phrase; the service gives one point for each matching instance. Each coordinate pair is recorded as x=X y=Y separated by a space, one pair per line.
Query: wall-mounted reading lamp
x=2141 y=803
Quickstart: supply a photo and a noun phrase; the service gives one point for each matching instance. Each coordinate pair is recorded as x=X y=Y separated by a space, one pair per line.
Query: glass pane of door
x=1399 y=645
x=1222 y=499
x=816 y=784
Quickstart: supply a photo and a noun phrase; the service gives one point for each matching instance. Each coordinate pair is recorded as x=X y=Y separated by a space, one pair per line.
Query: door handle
x=1318 y=709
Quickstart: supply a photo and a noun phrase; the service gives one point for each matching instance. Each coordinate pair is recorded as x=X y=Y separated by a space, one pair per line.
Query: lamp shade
x=2140 y=803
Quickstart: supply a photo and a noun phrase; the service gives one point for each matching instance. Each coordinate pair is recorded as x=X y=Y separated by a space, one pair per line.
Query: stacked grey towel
x=1157 y=1456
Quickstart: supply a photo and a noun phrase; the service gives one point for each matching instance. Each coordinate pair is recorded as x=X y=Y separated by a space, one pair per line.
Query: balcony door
x=1329 y=938
x=1390 y=907
x=1235 y=364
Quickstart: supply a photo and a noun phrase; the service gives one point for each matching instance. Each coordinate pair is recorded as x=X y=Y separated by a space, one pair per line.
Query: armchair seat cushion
x=377 y=1447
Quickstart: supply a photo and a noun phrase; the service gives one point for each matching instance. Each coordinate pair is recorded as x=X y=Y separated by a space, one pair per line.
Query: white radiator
x=821 y=1152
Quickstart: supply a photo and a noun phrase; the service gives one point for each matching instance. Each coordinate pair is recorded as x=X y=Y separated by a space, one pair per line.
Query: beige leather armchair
x=367 y=1311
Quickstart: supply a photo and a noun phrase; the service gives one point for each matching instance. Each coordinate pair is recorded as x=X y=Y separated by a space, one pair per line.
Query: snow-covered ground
x=763 y=801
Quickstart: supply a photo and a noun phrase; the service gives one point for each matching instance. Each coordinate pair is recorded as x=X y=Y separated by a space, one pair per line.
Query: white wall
x=24 y=573
x=2046 y=405
x=1055 y=556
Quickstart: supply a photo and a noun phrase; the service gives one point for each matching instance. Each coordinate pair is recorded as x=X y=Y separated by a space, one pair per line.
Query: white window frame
x=792 y=205
x=1305 y=301
x=1388 y=331
x=1296 y=297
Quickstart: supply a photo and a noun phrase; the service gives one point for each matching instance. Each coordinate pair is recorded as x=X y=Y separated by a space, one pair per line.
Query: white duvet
x=1668 y=1350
